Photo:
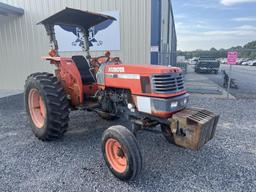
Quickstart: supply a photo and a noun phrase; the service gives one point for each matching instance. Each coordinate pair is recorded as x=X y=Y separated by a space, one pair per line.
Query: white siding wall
x=22 y=42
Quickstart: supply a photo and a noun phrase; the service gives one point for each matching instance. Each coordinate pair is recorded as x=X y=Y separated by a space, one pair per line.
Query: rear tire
x=54 y=106
x=121 y=152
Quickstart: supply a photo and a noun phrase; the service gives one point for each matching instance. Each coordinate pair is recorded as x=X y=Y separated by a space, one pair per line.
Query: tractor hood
x=141 y=69
x=148 y=80
x=76 y=18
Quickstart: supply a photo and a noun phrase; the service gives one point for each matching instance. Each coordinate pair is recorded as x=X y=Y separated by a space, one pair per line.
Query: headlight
x=185 y=101
x=174 y=104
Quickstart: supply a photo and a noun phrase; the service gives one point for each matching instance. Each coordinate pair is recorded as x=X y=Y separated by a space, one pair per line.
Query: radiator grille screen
x=168 y=83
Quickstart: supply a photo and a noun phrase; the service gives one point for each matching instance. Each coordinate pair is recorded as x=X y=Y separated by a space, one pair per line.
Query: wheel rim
x=37 y=108
x=115 y=155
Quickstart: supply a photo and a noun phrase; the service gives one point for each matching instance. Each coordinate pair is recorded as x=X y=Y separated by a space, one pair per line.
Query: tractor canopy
x=77 y=18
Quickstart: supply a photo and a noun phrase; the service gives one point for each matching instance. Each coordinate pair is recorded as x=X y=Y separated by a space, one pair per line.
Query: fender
x=70 y=78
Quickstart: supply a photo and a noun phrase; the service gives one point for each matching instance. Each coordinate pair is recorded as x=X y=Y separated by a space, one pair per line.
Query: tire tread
x=56 y=103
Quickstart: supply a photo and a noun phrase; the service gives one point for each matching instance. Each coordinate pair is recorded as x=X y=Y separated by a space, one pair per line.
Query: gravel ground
x=75 y=163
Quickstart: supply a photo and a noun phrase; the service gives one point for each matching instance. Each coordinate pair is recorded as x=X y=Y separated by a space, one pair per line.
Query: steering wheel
x=116 y=60
x=97 y=59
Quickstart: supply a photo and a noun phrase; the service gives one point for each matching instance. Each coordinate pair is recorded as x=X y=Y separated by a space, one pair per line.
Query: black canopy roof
x=75 y=17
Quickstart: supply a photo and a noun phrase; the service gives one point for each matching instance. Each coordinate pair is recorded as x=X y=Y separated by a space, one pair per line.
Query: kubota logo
x=116 y=69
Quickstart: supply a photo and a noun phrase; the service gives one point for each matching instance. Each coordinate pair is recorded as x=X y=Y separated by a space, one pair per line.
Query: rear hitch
x=192 y=128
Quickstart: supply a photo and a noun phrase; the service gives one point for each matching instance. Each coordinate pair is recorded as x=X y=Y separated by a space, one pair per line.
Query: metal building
x=163 y=35
x=143 y=36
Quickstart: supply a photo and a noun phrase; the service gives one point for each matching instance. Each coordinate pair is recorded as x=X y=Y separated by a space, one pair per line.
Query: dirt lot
x=227 y=163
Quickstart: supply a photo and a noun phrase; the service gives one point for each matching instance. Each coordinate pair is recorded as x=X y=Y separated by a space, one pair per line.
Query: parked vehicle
x=207 y=65
x=193 y=61
x=247 y=62
x=240 y=61
x=223 y=60
x=252 y=63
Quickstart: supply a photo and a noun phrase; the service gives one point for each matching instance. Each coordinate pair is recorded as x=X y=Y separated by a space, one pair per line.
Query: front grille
x=168 y=83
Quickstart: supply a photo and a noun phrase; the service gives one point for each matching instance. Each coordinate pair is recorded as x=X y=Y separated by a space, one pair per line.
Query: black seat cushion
x=84 y=69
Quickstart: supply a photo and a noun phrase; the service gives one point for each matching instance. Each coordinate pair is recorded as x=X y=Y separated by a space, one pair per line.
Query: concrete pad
x=204 y=91
x=201 y=85
x=7 y=93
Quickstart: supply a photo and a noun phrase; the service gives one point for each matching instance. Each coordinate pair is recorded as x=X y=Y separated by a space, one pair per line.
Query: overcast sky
x=202 y=24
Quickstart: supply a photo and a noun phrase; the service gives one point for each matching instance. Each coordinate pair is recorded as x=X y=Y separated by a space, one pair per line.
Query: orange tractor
x=149 y=96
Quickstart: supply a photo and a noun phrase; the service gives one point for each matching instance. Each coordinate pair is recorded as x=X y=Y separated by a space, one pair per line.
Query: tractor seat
x=84 y=69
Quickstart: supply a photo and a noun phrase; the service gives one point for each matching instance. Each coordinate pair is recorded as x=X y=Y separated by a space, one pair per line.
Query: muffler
x=192 y=128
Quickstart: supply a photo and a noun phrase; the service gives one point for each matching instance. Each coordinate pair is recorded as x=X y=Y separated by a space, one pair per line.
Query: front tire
x=47 y=106
x=121 y=152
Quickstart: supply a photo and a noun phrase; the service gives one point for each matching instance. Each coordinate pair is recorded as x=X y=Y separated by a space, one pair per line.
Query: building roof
x=7 y=10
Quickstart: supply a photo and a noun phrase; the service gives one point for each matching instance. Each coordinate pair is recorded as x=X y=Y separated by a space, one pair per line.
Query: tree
x=246 y=51
x=213 y=49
